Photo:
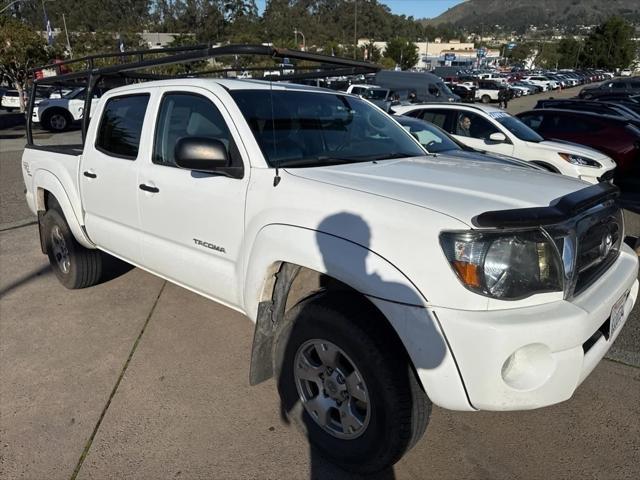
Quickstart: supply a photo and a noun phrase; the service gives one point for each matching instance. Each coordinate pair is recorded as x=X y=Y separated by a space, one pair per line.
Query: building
x=445 y=54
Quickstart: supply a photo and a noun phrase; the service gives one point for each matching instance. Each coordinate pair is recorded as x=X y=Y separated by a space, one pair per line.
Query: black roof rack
x=89 y=74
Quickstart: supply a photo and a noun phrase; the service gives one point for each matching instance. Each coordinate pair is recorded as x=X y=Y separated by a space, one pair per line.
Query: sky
x=417 y=8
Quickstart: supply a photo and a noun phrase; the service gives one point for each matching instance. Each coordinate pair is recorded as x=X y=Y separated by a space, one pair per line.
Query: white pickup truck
x=381 y=278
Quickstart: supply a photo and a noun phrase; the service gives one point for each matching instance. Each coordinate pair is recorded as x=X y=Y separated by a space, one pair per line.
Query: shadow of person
x=336 y=316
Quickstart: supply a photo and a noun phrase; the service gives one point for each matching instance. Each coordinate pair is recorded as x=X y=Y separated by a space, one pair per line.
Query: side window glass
x=436 y=117
x=121 y=126
x=533 y=121
x=185 y=115
x=619 y=85
x=469 y=124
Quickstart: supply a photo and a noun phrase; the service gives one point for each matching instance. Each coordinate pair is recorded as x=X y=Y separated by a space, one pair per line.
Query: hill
x=519 y=14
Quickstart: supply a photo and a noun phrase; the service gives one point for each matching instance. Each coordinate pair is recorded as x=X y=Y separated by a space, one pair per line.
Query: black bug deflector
x=558 y=211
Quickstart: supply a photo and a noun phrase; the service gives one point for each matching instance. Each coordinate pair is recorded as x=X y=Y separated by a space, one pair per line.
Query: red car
x=615 y=136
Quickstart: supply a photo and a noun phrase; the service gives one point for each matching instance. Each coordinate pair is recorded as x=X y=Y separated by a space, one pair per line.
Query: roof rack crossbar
x=199 y=53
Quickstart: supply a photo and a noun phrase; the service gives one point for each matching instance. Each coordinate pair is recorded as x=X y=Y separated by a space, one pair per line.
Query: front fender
x=344 y=260
x=45 y=180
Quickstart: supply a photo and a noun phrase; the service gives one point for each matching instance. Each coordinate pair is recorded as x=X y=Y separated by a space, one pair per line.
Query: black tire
x=56 y=120
x=399 y=408
x=485 y=99
x=84 y=267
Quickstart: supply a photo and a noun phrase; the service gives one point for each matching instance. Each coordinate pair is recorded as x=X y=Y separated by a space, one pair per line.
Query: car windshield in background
x=429 y=136
x=518 y=128
x=73 y=93
x=304 y=129
x=375 y=94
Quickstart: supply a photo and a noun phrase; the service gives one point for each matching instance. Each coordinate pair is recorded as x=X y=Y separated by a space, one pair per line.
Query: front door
x=474 y=130
x=193 y=223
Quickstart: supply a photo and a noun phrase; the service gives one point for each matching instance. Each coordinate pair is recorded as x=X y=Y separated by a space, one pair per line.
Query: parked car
x=381 y=97
x=379 y=280
x=630 y=86
x=427 y=87
x=627 y=72
x=488 y=128
x=437 y=141
x=601 y=107
x=615 y=136
x=10 y=100
x=58 y=114
x=543 y=81
x=465 y=92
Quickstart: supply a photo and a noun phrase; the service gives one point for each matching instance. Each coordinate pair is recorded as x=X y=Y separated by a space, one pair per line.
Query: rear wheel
x=485 y=99
x=351 y=390
x=74 y=265
x=57 y=121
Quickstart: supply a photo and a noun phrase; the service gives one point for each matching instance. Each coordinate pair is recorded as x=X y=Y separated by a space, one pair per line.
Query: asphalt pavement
x=138 y=378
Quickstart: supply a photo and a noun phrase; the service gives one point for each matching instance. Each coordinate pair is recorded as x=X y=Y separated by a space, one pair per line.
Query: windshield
x=375 y=94
x=429 y=136
x=519 y=129
x=73 y=93
x=305 y=129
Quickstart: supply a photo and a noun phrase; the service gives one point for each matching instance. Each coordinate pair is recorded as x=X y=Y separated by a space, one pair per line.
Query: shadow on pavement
x=45 y=270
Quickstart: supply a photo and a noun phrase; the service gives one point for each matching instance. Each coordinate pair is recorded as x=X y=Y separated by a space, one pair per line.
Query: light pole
x=304 y=41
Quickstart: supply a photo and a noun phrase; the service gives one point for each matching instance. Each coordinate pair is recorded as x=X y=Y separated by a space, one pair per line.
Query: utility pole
x=355 y=29
x=64 y=21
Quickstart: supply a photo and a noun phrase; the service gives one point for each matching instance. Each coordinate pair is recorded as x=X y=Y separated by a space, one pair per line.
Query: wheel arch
x=286 y=266
x=48 y=189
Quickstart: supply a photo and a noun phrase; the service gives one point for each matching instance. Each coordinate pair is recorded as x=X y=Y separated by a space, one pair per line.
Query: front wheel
x=351 y=390
x=485 y=99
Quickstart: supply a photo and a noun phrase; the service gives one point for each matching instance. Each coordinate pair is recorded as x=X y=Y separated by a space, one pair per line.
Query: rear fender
x=45 y=181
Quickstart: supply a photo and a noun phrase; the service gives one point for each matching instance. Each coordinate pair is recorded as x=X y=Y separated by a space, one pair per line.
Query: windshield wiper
x=392 y=156
x=317 y=162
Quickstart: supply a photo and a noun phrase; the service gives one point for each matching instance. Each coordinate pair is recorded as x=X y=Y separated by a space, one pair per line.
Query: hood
x=576 y=149
x=482 y=156
x=458 y=187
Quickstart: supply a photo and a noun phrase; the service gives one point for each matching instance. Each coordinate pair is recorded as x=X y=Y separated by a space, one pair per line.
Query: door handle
x=149 y=189
x=90 y=175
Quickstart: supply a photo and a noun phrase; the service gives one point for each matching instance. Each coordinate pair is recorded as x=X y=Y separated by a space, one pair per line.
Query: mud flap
x=270 y=315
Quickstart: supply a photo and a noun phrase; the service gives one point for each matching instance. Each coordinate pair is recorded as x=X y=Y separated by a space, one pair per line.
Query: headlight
x=504 y=265
x=579 y=160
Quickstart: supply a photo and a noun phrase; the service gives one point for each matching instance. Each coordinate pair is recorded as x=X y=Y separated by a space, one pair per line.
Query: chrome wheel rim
x=58 y=122
x=332 y=389
x=60 y=251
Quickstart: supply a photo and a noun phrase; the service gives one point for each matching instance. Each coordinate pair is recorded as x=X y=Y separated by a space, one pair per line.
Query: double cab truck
x=382 y=278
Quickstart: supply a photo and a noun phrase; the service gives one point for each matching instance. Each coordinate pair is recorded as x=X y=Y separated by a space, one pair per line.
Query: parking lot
x=139 y=378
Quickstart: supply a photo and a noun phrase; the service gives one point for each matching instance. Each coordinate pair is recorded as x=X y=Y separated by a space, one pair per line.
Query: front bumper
x=557 y=343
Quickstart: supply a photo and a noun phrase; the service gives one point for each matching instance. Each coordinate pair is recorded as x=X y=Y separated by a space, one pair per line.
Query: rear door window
x=437 y=117
x=121 y=126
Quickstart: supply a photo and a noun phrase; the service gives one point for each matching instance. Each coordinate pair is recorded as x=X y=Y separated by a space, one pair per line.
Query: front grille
x=599 y=239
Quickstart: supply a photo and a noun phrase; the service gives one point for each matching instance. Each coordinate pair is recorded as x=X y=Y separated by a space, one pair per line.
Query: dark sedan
x=615 y=136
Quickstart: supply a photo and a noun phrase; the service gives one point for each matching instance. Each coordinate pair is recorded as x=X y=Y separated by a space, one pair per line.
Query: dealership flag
x=47 y=26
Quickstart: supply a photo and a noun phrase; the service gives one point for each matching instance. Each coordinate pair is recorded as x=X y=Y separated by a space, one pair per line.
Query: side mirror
x=201 y=154
x=498 y=137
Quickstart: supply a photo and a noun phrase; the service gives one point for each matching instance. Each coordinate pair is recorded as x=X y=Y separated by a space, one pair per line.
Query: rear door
x=192 y=223
x=478 y=132
x=108 y=175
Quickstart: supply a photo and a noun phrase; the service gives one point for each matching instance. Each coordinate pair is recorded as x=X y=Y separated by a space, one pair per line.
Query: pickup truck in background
x=382 y=278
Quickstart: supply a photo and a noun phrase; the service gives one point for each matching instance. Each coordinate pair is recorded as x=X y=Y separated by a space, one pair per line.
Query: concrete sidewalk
x=160 y=375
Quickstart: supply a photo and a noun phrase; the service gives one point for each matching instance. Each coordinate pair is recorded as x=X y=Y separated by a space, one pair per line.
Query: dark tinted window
x=532 y=120
x=479 y=128
x=121 y=126
x=437 y=117
x=187 y=115
x=570 y=124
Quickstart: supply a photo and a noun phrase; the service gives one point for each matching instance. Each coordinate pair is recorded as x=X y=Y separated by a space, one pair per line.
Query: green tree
x=370 y=52
x=609 y=45
x=20 y=50
x=568 y=52
x=403 y=52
